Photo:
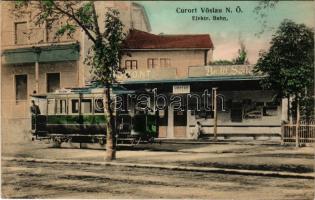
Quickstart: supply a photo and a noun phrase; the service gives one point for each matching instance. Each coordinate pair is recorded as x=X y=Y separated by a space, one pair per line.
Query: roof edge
x=167 y=49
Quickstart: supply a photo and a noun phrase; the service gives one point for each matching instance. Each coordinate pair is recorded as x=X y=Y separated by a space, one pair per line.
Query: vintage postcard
x=157 y=99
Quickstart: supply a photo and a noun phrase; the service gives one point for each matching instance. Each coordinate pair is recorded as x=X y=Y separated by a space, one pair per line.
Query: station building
x=177 y=66
x=32 y=60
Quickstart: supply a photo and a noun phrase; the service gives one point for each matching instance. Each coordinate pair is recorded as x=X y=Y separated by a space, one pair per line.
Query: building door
x=236 y=112
x=180 y=123
x=53 y=82
x=162 y=123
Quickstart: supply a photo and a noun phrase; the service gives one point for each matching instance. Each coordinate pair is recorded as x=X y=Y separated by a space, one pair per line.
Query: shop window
x=270 y=109
x=152 y=63
x=20 y=87
x=236 y=112
x=252 y=110
x=203 y=114
x=75 y=106
x=86 y=106
x=131 y=64
x=21 y=33
x=165 y=62
x=194 y=102
x=53 y=82
x=61 y=106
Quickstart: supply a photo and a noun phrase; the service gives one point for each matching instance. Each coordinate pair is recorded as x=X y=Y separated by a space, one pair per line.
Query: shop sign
x=153 y=74
x=228 y=70
x=181 y=89
x=221 y=70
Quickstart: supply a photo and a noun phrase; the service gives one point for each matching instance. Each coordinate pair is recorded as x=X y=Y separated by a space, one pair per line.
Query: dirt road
x=43 y=180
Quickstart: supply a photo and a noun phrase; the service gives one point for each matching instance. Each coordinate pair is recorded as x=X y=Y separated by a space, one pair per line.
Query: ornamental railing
x=304 y=134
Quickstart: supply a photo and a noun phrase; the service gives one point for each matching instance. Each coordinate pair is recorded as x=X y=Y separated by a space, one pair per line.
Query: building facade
x=33 y=60
x=175 y=66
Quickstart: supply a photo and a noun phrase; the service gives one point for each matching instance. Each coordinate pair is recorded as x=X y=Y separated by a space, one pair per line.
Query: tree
x=105 y=53
x=288 y=65
x=241 y=58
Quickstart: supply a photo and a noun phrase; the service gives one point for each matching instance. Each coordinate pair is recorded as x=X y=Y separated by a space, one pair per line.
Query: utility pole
x=297 y=142
x=215 y=115
x=37 y=51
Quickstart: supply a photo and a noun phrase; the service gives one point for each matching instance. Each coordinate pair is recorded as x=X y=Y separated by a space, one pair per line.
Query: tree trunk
x=110 y=129
x=290 y=110
x=110 y=149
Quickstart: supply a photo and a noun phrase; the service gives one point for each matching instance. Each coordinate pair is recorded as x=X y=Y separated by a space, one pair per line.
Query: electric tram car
x=77 y=115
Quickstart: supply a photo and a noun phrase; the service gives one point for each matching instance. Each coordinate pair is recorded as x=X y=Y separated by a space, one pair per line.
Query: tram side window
x=86 y=106
x=75 y=106
x=61 y=106
x=98 y=106
x=51 y=106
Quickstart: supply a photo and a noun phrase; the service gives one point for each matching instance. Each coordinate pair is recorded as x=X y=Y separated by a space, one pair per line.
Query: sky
x=164 y=18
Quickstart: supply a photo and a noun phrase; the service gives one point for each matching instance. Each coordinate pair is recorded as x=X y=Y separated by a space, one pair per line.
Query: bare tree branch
x=97 y=28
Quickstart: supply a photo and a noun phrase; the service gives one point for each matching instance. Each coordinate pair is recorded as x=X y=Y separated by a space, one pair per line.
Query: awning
x=52 y=53
x=197 y=79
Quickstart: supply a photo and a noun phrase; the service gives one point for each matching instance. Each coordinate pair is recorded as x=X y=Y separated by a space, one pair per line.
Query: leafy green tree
x=288 y=65
x=105 y=52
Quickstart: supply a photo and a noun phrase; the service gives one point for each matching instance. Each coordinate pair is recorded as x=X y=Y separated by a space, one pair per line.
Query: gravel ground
x=252 y=156
x=43 y=180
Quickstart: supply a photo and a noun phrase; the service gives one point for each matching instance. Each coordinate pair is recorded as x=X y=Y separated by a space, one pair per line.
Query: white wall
x=180 y=59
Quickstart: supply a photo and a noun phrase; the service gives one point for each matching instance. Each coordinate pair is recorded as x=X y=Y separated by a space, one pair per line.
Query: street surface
x=42 y=180
x=256 y=155
x=21 y=179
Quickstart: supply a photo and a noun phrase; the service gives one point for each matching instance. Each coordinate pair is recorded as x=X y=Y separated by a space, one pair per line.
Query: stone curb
x=171 y=167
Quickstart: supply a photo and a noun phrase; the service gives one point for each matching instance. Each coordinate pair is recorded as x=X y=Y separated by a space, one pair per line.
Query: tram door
x=180 y=123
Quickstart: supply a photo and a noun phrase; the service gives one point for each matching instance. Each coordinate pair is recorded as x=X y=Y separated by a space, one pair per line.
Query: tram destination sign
x=221 y=70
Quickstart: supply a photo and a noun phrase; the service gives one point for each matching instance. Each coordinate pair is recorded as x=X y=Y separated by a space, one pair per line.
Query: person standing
x=197 y=130
x=35 y=109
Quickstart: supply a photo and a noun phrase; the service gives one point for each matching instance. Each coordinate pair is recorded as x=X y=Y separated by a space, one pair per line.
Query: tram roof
x=116 y=89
